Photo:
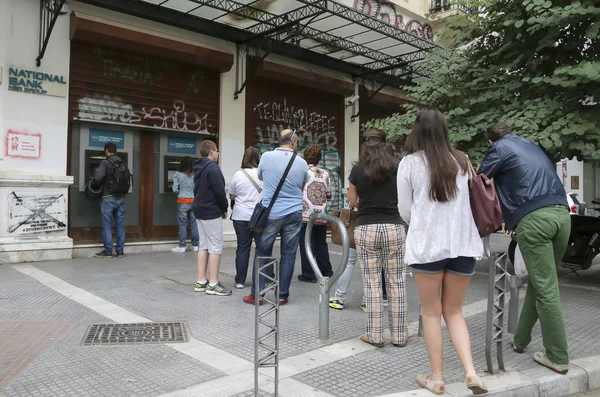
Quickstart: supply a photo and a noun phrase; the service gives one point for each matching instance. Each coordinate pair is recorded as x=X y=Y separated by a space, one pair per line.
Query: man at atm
x=112 y=200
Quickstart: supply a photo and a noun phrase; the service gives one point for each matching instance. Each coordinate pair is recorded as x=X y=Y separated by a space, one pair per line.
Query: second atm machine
x=172 y=149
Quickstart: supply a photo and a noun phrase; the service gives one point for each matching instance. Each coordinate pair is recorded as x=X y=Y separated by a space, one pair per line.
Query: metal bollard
x=267 y=341
x=325 y=283
x=497 y=290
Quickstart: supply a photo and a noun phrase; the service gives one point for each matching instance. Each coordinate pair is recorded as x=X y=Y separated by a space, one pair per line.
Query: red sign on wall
x=22 y=144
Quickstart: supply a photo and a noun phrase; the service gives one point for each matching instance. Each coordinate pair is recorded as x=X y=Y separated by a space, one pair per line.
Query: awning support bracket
x=49 y=12
x=355 y=116
x=239 y=71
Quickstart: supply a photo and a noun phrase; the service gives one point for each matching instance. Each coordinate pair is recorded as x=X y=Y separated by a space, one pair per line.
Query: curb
x=583 y=376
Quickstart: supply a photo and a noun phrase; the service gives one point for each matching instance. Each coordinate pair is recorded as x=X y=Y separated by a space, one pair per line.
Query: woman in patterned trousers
x=379 y=236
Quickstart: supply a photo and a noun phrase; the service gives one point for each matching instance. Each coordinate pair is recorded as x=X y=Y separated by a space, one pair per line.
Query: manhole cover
x=132 y=334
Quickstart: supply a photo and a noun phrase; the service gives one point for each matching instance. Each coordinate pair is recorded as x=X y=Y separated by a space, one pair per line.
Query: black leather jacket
x=525 y=178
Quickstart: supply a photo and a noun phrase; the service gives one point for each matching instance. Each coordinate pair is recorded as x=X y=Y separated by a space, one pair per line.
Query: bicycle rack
x=325 y=283
x=497 y=289
x=261 y=341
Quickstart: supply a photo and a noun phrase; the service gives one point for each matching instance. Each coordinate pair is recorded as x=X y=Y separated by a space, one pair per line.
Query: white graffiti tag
x=113 y=109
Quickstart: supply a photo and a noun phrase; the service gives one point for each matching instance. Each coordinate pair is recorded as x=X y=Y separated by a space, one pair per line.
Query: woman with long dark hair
x=183 y=185
x=246 y=191
x=379 y=236
x=442 y=241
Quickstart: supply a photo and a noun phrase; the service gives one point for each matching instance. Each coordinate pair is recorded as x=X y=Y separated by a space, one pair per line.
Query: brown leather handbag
x=348 y=216
x=484 y=203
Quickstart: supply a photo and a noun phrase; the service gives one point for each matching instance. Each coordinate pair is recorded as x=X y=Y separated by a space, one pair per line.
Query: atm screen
x=170 y=175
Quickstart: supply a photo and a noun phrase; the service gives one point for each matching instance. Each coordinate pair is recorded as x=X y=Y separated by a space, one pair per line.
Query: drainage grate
x=136 y=334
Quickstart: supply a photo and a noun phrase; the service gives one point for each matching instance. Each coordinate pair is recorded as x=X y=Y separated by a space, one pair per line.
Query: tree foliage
x=532 y=64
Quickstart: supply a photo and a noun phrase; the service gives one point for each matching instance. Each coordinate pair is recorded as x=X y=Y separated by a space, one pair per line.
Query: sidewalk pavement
x=46 y=308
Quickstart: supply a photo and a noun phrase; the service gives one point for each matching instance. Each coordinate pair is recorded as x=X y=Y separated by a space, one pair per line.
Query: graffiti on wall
x=387 y=12
x=113 y=109
x=316 y=129
x=36 y=213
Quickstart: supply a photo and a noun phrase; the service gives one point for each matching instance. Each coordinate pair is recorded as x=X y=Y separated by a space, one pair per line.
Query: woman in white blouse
x=245 y=192
x=442 y=241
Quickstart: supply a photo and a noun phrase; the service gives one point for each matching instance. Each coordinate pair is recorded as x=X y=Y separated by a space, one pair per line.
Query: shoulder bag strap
x=282 y=181
x=252 y=181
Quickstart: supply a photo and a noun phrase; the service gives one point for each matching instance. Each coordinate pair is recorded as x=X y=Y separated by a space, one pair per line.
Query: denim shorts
x=461 y=266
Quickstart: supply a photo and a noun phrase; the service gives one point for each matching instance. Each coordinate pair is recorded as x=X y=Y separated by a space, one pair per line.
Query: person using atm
x=114 y=178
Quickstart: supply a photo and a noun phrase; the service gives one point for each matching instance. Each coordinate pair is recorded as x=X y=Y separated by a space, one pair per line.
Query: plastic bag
x=520 y=268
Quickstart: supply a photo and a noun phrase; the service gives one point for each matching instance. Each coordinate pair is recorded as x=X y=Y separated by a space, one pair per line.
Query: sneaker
x=363 y=306
x=336 y=304
x=250 y=299
x=120 y=255
x=218 y=289
x=178 y=250
x=283 y=301
x=195 y=249
x=200 y=287
x=239 y=286
x=541 y=359
x=103 y=255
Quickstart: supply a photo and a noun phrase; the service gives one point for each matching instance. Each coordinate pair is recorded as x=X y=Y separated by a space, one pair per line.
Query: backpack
x=118 y=179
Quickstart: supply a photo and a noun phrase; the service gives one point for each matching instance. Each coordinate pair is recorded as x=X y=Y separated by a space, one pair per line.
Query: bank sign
x=36 y=82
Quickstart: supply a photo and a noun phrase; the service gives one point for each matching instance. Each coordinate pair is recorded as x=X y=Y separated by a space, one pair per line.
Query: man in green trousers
x=534 y=203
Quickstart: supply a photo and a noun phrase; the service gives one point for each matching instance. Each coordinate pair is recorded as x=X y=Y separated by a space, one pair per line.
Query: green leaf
x=519 y=23
x=547 y=4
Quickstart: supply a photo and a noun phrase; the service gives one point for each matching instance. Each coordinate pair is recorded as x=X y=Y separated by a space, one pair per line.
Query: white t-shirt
x=246 y=195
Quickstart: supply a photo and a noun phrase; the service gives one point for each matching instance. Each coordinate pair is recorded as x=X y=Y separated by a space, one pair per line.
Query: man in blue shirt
x=285 y=218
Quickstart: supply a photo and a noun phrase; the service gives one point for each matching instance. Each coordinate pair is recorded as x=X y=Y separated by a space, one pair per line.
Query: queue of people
x=415 y=212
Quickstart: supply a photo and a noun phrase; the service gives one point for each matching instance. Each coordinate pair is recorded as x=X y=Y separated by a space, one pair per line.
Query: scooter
x=584 y=243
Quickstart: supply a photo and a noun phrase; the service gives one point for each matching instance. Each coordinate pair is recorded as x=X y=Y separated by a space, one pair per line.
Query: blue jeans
x=341 y=290
x=242 y=253
x=289 y=229
x=344 y=281
x=185 y=216
x=113 y=206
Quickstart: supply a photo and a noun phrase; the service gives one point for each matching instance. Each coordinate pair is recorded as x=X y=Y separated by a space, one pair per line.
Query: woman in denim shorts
x=442 y=241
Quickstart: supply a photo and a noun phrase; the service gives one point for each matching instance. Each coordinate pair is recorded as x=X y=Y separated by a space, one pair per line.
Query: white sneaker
x=195 y=249
x=239 y=286
x=178 y=249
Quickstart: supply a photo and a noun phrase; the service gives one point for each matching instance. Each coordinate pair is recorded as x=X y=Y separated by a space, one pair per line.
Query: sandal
x=475 y=384
x=434 y=386
x=365 y=339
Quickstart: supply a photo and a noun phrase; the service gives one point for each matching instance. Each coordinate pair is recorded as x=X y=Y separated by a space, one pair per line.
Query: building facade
x=158 y=79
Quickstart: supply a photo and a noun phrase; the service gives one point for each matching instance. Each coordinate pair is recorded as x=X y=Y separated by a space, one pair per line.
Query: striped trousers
x=382 y=246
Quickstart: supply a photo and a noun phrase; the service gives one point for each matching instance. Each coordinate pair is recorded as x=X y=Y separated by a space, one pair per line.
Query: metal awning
x=321 y=32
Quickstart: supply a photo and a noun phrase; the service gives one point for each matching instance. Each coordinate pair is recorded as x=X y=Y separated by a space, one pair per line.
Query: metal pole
x=513 y=304
x=490 y=307
x=325 y=283
x=515 y=283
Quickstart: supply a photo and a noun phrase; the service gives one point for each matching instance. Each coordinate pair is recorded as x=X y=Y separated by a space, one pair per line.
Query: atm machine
x=171 y=165
x=93 y=159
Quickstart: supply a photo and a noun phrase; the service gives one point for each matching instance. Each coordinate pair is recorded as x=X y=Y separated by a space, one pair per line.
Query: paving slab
x=67 y=296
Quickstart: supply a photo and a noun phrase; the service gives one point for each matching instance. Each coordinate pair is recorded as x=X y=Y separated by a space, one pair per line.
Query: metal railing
x=437 y=6
x=268 y=340
x=325 y=283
